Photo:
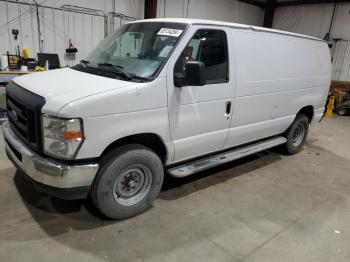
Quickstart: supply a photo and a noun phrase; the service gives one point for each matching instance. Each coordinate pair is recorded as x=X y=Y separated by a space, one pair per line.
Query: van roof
x=227 y=24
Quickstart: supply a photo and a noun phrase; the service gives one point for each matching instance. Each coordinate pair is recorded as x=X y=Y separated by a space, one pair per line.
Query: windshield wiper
x=142 y=78
x=117 y=69
x=84 y=63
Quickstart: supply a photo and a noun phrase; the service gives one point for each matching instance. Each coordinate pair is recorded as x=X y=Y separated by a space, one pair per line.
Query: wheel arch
x=308 y=111
x=149 y=140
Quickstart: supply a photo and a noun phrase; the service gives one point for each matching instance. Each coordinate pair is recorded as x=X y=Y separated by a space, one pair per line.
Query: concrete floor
x=266 y=207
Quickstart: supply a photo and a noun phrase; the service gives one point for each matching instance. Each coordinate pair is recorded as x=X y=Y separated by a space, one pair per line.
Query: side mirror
x=193 y=75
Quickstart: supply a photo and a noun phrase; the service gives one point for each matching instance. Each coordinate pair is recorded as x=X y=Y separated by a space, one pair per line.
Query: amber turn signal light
x=71 y=135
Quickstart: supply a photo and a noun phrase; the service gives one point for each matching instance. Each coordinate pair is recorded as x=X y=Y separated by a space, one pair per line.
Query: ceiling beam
x=254 y=2
x=305 y=2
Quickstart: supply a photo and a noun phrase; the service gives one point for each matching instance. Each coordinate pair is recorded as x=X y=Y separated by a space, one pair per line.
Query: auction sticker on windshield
x=170 y=32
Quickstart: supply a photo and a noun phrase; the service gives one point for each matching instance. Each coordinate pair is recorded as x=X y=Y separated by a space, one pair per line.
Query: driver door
x=199 y=116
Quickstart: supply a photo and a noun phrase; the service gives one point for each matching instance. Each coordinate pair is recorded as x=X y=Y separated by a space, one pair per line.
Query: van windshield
x=136 y=50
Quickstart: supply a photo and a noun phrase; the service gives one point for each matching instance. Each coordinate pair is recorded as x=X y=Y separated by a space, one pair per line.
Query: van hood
x=62 y=86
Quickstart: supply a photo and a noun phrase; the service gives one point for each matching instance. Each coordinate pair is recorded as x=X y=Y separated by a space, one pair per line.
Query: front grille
x=24 y=109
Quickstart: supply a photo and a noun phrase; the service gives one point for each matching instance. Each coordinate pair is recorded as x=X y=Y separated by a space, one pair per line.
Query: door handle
x=228 y=109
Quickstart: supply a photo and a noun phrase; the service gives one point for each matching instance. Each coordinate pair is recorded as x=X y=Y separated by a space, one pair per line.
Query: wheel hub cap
x=298 y=134
x=132 y=185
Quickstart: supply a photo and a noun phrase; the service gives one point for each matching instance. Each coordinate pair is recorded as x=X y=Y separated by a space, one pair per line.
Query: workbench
x=6 y=76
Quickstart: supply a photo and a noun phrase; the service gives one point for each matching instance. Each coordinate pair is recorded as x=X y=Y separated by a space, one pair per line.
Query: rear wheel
x=296 y=135
x=128 y=181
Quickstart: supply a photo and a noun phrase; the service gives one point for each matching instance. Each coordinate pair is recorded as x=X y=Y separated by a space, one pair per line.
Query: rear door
x=199 y=116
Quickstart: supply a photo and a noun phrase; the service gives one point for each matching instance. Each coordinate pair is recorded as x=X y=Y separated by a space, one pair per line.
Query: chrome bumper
x=45 y=170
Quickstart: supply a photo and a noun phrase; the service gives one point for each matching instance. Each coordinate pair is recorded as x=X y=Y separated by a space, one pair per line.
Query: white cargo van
x=163 y=96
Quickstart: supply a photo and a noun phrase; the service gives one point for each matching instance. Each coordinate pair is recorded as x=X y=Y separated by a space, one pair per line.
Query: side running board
x=225 y=157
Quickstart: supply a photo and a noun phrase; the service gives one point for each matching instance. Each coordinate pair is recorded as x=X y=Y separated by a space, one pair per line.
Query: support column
x=150 y=9
x=269 y=13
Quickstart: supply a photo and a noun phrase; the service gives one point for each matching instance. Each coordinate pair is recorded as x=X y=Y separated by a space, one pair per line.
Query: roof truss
x=264 y=3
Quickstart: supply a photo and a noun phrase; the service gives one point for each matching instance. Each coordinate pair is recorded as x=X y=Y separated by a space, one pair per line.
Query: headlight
x=61 y=137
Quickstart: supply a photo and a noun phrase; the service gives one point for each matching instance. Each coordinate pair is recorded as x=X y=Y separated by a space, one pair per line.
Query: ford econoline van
x=163 y=97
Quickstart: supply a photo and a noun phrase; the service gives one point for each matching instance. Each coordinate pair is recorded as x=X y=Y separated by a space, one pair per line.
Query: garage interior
x=265 y=207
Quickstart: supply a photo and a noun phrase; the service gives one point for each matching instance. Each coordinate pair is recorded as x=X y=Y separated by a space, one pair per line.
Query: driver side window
x=210 y=47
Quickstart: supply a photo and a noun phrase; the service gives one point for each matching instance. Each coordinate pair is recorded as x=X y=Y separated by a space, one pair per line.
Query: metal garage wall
x=85 y=31
x=57 y=26
x=315 y=20
x=224 y=10
x=305 y=19
x=341 y=61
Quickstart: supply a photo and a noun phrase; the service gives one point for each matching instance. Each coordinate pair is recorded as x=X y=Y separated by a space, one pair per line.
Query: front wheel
x=296 y=135
x=128 y=181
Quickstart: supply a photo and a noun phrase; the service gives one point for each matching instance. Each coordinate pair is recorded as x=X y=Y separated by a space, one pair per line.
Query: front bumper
x=46 y=171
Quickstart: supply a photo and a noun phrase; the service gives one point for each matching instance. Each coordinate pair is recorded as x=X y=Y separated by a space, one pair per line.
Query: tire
x=341 y=112
x=296 y=135
x=128 y=181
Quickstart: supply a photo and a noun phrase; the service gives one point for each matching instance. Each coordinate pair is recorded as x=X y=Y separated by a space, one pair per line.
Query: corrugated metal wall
x=224 y=10
x=341 y=61
x=315 y=20
x=57 y=26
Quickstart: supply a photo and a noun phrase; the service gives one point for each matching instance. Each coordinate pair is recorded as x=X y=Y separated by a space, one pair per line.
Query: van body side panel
x=276 y=76
x=132 y=110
